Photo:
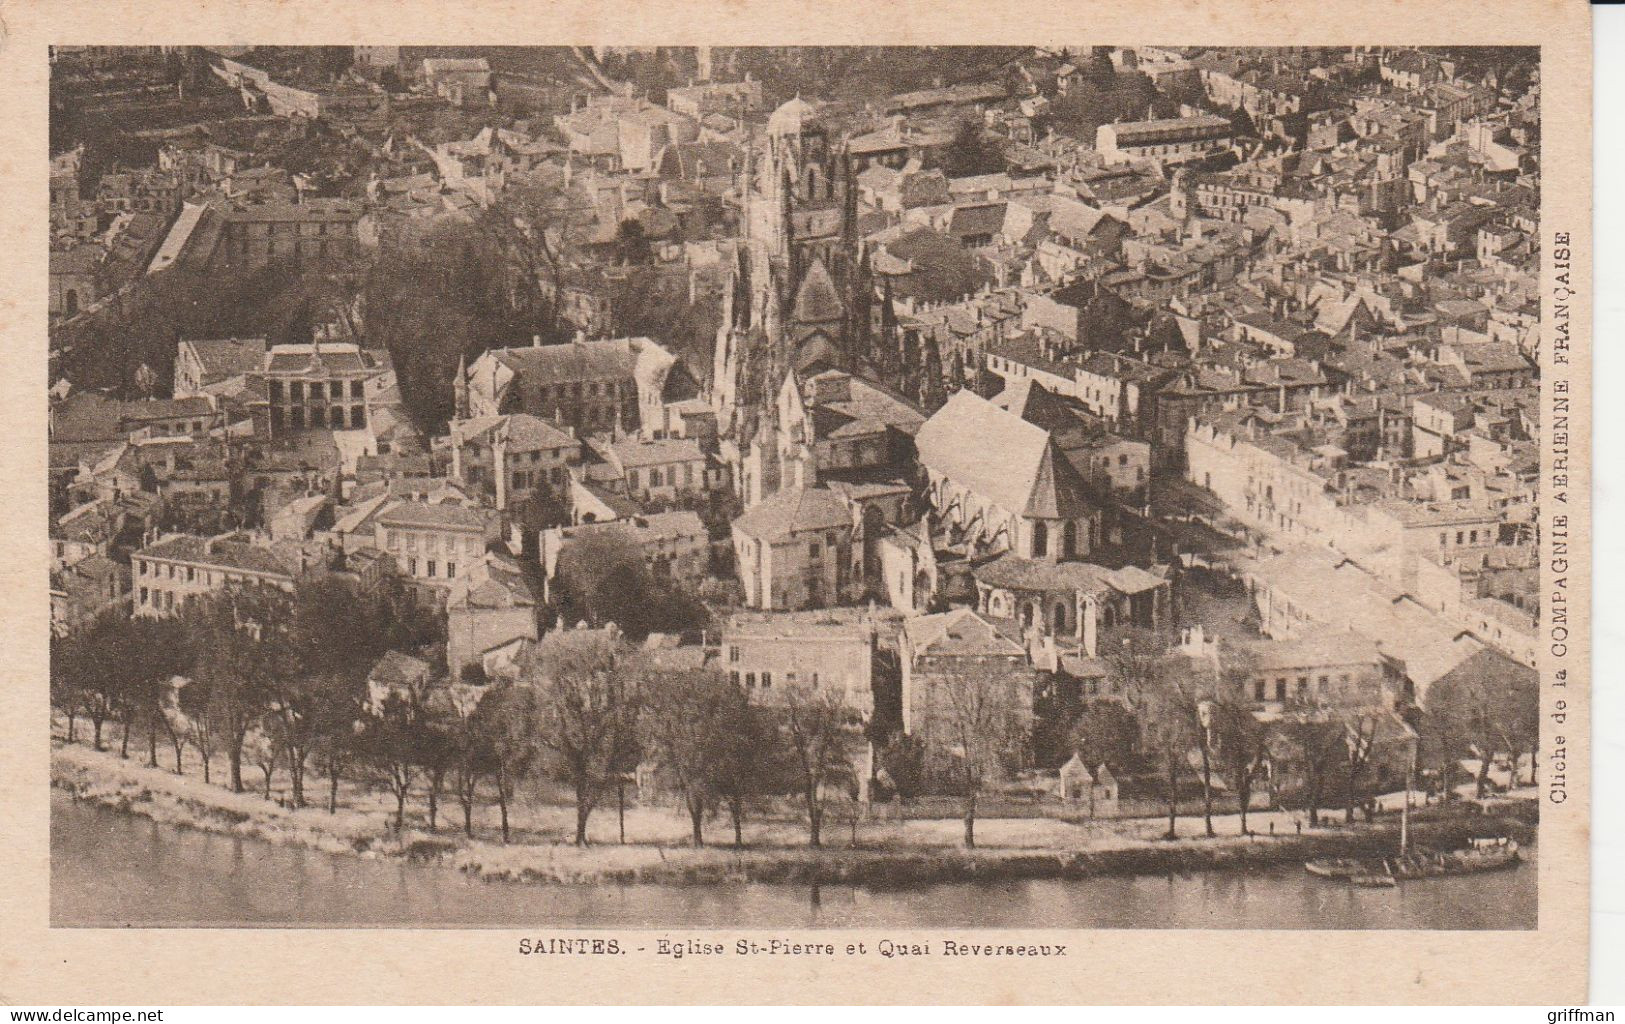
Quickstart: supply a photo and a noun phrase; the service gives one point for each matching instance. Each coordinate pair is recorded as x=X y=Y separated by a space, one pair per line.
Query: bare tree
x=815 y=724
x=1315 y=742
x=264 y=750
x=473 y=757
x=392 y=742
x=744 y=761
x=980 y=720
x=234 y=642
x=1242 y=746
x=1161 y=688
x=686 y=716
x=585 y=713
x=505 y=720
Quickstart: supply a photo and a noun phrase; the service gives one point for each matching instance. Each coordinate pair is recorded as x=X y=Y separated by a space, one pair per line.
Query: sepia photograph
x=799 y=487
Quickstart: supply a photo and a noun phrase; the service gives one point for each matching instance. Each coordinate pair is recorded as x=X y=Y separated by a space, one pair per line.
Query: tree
x=264 y=749
x=933 y=392
x=448 y=294
x=743 y=763
x=438 y=751
x=154 y=654
x=1107 y=733
x=335 y=742
x=815 y=726
x=685 y=718
x=902 y=766
x=585 y=714
x=1315 y=745
x=392 y=741
x=1242 y=747
x=1160 y=689
x=504 y=720
x=88 y=670
x=67 y=679
x=1361 y=733
x=980 y=721
x=473 y=757
x=236 y=652
x=1168 y=737
x=604 y=579
x=532 y=222
x=333 y=640
x=971 y=153
x=176 y=728
x=1486 y=706
x=632 y=247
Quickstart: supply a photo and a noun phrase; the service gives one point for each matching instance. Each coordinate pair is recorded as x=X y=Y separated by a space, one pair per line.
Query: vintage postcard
x=752 y=503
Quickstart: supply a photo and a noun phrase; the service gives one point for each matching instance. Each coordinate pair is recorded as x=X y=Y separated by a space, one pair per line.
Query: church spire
x=459 y=389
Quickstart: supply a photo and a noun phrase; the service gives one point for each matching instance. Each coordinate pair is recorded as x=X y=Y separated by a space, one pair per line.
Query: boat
x=1478 y=855
x=1335 y=867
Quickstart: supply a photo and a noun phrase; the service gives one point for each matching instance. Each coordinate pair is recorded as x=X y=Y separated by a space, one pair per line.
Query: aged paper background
x=67 y=966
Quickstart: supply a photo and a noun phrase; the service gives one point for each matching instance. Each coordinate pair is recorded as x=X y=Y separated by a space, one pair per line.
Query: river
x=110 y=869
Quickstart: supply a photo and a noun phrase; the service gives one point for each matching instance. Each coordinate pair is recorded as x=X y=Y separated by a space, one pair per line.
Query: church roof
x=1026 y=398
x=1001 y=457
x=817 y=301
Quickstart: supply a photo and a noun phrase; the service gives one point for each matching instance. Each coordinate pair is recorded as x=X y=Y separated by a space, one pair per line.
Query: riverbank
x=1011 y=849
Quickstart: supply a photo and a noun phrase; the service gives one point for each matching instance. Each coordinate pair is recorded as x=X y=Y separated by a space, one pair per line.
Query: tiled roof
x=959 y=633
x=571 y=361
x=227 y=357
x=634 y=452
x=793 y=511
x=1008 y=461
x=427 y=515
x=224 y=552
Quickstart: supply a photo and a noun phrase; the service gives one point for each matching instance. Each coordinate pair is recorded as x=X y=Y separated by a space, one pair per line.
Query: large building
x=794 y=550
x=203 y=365
x=320 y=386
x=165 y=574
x=1000 y=483
x=433 y=541
x=587 y=386
x=799 y=292
x=1169 y=140
x=311 y=231
x=508 y=458
x=828 y=652
x=939 y=652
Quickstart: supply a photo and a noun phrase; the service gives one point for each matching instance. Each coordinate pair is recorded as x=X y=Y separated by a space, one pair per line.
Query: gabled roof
x=227 y=357
x=817 y=301
x=524 y=432
x=224 y=552
x=1008 y=461
x=960 y=633
x=572 y=360
x=1030 y=400
x=429 y=515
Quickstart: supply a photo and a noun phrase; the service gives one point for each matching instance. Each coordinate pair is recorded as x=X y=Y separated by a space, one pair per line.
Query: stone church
x=799 y=294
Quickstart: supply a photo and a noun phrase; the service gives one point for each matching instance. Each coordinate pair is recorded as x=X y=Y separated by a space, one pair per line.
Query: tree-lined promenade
x=252 y=705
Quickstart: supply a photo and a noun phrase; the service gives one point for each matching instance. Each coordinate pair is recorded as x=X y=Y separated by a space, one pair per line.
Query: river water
x=110 y=869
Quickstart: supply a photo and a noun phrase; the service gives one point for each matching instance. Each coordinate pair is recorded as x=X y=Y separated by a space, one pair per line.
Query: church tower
x=797 y=299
